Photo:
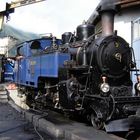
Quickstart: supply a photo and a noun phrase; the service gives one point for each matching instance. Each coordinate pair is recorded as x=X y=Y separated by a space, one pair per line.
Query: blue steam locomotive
x=82 y=73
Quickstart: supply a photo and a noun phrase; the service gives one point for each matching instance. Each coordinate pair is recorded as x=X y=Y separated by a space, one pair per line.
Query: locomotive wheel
x=96 y=122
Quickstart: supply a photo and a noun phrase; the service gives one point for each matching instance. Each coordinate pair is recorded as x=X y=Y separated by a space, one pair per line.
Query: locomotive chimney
x=107 y=11
x=107 y=21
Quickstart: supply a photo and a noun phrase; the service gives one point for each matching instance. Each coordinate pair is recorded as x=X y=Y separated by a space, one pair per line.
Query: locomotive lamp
x=104 y=87
x=138 y=84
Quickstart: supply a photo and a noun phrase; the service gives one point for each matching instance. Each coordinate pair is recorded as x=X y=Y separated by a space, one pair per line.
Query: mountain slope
x=20 y=35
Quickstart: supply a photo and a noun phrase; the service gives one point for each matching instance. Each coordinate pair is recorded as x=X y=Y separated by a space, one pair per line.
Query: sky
x=52 y=16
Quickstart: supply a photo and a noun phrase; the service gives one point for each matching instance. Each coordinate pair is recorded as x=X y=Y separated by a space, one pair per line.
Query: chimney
x=107 y=11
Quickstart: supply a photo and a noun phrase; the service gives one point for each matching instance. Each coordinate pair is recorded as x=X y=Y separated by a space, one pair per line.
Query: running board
x=121 y=125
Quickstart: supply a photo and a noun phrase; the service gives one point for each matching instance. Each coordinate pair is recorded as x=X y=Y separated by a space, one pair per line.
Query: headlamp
x=138 y=86
x=105 y=87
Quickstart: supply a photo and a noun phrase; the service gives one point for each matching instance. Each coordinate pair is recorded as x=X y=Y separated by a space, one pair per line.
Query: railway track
x=60 y=127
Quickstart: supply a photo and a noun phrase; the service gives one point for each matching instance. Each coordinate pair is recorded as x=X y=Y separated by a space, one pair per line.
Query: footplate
x=127 y=124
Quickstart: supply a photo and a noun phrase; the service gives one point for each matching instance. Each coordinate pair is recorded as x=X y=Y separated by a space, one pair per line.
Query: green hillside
x=16 y=33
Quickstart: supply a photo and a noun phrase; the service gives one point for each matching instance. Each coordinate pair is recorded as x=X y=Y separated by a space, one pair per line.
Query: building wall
x=123 y=23
x=6 y=43
x=123 y=20
x=3 y=45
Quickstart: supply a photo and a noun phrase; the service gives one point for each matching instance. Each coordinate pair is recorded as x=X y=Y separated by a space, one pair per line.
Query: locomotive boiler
x=88 y=73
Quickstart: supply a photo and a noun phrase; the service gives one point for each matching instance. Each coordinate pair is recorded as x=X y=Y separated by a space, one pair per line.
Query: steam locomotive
x=81 y=73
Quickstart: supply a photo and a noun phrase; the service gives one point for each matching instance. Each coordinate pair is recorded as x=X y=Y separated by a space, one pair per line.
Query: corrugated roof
x=122 y=4
x=127 y=3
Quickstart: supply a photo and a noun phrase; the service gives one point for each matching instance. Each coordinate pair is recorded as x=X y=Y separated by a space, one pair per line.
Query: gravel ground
x=13 y=126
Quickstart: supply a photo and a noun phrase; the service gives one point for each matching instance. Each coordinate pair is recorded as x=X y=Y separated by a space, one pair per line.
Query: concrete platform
x=57 y=125
x=63 y=128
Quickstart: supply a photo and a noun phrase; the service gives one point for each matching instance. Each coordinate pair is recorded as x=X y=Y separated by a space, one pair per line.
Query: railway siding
x=59 y=126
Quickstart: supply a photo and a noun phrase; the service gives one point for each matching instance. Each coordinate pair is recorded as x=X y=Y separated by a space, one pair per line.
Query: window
x=35 y=47
x=136 y=29
x=98 y=29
